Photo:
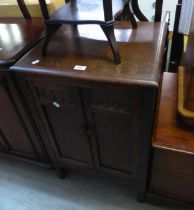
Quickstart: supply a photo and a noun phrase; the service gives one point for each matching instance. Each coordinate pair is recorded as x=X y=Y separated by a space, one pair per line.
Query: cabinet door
x=17 y=136
x=113 y=118
x=61 y=112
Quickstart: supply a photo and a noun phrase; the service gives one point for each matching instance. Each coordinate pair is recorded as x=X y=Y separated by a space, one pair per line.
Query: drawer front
x=175 y=162
x=172 y=174
x=172 y=185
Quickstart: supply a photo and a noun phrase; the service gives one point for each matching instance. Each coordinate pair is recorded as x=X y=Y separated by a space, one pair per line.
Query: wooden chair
x=101 y=12
x=141 y=17
x=24 y=9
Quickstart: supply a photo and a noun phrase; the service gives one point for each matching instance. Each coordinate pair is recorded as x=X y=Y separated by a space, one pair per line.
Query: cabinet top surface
x=16 y=37
x=141 y=53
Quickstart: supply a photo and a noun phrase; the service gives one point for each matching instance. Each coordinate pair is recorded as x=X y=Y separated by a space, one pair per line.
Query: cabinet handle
x=57 y=105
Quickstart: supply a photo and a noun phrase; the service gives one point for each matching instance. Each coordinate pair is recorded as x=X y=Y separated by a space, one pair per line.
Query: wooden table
x=101 y=118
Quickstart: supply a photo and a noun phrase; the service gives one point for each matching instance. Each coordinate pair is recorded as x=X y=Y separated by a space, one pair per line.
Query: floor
x=27 y=187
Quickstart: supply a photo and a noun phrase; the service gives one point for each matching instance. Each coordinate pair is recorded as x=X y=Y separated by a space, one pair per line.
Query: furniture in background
x=19 y=137
x=24 y=9
x=173 y=144
x=172 y=174
x=186 y=83
x=104 y=13
x=177 y=42
x=100 y=118
x=154 y=10
x=76 y=12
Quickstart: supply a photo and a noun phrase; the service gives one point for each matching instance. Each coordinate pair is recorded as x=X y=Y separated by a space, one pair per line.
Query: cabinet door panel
x=13 y=135
x=113 y=131
x=62 y=110
x=114 y=118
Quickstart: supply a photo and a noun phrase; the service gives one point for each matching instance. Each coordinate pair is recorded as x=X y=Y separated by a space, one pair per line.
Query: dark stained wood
x=87 y=12
x=19 y=137
x=63 y=110
x=173 y=144
x=115 y=147
x=173 y=149
x=17 y=37
x=24 y=9
x=170 y=132
x=100 y=118
x=158 y=10
x=97 y=57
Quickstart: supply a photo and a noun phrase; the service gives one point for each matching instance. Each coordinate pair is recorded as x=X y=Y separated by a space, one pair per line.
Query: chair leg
x=50 y=30
x=126 y=15
x=109 y=32
x=130 y=16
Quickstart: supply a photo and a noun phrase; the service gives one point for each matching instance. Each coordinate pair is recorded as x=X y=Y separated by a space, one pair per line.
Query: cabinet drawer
x=173 y=174
x=172 y=185
x=175 y=162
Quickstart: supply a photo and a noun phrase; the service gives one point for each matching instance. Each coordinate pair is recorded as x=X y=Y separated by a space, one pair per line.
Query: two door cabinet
x=100 y=119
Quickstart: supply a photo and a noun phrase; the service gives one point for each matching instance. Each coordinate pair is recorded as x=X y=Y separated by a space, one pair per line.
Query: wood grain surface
x=141 y=52
x=17 y=37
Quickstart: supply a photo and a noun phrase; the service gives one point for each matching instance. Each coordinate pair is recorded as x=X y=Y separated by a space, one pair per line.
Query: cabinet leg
x=141 y=197
x=60 y=173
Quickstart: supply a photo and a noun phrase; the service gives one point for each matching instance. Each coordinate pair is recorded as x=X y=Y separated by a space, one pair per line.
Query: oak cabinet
x=101 y=118
x=107 y=130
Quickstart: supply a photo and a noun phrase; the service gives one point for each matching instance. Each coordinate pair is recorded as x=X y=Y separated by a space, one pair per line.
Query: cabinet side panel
x=16 y=137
